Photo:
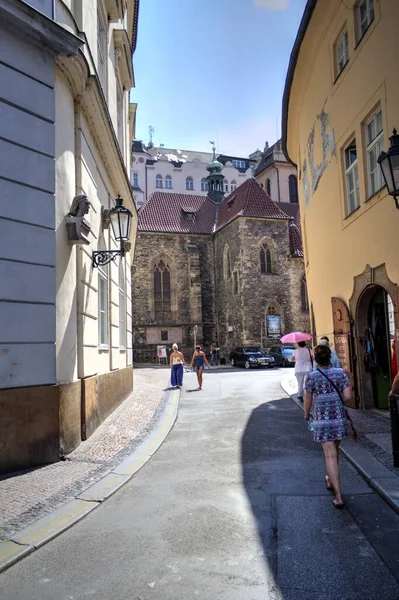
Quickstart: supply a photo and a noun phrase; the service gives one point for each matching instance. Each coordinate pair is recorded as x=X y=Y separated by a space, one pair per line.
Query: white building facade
x=181 y=171
x=67 y=127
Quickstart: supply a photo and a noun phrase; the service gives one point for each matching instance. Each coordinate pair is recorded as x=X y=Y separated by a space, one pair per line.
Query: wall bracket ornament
x=78 y=228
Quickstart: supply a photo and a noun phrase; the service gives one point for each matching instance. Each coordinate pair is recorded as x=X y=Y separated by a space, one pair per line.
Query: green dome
x=214 y=165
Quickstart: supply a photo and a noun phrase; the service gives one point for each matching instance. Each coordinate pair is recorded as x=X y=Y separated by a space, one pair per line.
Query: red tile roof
x=296 y=249
x=167 y=212
x=292 y=210
x=248 y=200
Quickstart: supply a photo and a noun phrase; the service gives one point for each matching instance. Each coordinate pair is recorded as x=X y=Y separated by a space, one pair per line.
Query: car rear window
x=253 y=350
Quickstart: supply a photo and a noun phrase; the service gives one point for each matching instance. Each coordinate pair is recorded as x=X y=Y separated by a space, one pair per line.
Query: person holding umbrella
x=302 y=357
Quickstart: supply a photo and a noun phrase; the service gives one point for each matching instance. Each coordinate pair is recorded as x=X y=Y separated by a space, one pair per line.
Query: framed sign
x=161 y=351
x=273 y=326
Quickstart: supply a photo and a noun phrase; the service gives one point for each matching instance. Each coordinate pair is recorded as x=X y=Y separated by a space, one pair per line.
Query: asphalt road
x=231 y=507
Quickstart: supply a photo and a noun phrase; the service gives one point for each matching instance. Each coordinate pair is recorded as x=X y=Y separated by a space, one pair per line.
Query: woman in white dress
x=303 y=365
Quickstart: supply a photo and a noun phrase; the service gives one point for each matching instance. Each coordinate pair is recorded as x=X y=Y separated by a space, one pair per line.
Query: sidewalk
x=372 y=453
x=27 y=496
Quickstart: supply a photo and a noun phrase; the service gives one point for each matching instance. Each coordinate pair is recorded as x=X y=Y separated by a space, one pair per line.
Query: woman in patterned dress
x=329 y=418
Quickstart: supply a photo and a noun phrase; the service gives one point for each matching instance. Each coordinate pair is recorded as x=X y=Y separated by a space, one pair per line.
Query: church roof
x=292 y=210
x=295 y=241
x=177 y=213
x=248 y=200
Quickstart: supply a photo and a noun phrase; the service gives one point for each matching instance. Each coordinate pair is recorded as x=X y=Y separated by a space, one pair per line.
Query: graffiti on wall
x=311 y=172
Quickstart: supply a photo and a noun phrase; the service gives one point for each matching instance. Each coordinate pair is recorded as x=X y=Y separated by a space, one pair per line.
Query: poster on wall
x=273 y=324
x=161 y=351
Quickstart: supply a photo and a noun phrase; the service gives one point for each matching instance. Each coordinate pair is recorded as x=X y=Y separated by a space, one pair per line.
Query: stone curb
x=14 y=548
x=381 y=479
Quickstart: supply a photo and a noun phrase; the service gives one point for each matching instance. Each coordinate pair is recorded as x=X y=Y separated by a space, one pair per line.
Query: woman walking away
x=197 y=363
x=327 y=389
x=303 y=365
x=176 y=362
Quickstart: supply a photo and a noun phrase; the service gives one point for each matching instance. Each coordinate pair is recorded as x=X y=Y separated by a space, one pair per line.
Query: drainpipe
x=278 y=181
x=79 y=259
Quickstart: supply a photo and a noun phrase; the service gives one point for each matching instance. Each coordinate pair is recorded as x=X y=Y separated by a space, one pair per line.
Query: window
x=164 y=335
x=235 y=282
x=226 y=263
x=239 y=164
x=352 y=178
x=119 y=113
x=341 y=52
x=122 y=305
x=272 y=310
x=226 y=185
x=168 y=182
x=293 y=189
x=265 y=259
x=158 y=181
x=135 y=180
x=162 y=297
x=102 y=44
x=102 y=300
x=204 y=185
x=365 y=15
x=233 y=185
x=189 y=183
x=375 y=145
x=268 y=188
x=304 y=296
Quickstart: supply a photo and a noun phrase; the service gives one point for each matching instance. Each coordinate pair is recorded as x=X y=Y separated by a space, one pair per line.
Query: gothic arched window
x=304 y=296
x=265 y=259
x=235 y=283
x=204 y=185
x=168 y=182
x=189 y=183
x=226 y=263
x=158 y=181
x=268 y=187
x=162 y=296
x=272 y=310
x=293 y=189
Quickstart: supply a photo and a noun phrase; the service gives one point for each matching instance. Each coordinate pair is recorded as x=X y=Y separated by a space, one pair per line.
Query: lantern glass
x=121 y=219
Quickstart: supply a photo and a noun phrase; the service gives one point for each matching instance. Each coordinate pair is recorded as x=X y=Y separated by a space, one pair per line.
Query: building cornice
x=122 y=47
x=303 y=27
x=35 y=25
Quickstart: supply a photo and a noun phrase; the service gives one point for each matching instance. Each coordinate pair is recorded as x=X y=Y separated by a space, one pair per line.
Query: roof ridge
x=251 y=179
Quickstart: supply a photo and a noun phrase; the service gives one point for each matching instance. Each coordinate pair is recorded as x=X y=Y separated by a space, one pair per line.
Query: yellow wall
x=337 y=248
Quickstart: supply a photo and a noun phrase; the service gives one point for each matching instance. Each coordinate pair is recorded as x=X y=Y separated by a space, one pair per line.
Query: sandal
x=338 y=504
x=328 y=487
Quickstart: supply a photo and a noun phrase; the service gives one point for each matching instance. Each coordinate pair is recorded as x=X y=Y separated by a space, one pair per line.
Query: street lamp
x=389 y=163
x=121 y=221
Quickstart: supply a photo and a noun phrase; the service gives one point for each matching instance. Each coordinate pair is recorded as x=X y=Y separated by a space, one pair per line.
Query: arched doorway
x=375 y=330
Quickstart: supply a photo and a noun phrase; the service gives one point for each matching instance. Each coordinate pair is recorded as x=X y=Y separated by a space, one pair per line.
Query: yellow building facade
x=340 y=106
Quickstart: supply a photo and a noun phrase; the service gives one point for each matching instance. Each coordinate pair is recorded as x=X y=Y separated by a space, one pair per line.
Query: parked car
x=250 y=356
x=282 y=354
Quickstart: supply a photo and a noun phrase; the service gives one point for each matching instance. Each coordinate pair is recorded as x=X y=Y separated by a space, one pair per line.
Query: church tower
x=215 y=179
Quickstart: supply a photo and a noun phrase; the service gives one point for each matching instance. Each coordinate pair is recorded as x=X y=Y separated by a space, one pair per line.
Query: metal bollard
x=394 y=413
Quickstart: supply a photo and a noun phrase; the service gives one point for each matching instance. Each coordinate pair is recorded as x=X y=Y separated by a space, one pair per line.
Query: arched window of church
x=168 y=182
x=204 y=185
x=235 y=283
x=162 y=296
x=189 y=183
x=233 y=185
x=268 y=187
x=226 y=263
x=304 y=295
x=158 y=181
x=293 y=189
x=265 y=259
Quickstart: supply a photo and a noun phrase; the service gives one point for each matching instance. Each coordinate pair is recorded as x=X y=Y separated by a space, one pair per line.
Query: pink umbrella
x=295 y=337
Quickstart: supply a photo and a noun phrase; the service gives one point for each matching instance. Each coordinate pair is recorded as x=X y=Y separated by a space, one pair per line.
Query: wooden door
x=343 y=342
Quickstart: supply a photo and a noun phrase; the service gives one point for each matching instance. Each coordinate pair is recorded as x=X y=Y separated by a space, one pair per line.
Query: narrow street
x=231 y=507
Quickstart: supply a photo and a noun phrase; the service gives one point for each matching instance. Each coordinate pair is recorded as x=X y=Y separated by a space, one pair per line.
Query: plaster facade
x=338 y=116
x=72 y=133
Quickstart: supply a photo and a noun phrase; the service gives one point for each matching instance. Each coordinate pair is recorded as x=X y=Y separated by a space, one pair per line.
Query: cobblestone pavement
x=28 y=495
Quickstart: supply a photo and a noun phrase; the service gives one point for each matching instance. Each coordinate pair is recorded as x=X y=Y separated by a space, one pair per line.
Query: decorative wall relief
x=78 y=228
x=312 y=173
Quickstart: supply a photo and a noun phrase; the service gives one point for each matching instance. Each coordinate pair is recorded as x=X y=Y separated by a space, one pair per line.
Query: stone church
x=215 y=269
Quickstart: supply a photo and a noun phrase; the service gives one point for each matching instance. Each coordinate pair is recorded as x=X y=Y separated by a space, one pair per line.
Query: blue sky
x=213 y=69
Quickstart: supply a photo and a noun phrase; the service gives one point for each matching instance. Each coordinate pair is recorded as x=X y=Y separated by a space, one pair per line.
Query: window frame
x=293 y=193
x=304 y=295
x=204 y=185
x=266 y=265
x=376 y=143
x=135 y=179
x=120 y=105
x=238 y=164
x=189 y=184
x=235 y=283
x=103 y=301
x=268 y=187
x=370 y=8
x=337 y=67
x=102 y=44
x=122 y=305
x=168 y=179
x=233 y=185
x=159 y=179
x=349 y=170
x=165 y=310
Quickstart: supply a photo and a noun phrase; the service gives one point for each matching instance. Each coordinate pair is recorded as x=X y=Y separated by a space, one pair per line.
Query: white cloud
x=272 y=4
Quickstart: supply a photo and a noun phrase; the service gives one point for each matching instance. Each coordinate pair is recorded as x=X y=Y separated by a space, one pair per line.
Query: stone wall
x=190 y=259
